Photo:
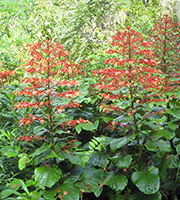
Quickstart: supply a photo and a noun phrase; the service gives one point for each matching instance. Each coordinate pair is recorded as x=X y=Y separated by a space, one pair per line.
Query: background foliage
x=82 y=122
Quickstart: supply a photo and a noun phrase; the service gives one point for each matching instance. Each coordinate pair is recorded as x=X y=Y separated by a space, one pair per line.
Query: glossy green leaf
x=98 y=160
x=164 y=133
x=122 y=161
x=11 y=188
x=115 y=181
x=78 y=158
x=159 y=145
x=23 y=161
x=172 y=125
x=67 y=190
x=10 y=151
x=147 y=182
x=174 y=112
x=90 y=180
x=88 y=126
x=47 y=175
x=118 y=143
x=173 y=161
x=141 y=196
x=40 y=150
x=178 y=148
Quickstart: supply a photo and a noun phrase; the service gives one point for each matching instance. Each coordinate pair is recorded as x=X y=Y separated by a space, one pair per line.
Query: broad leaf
x=11 y=188
x=97 y=160
x=47 y=176
x=23 y=161
x=164 y=133
x=141 y=196
x=10 y=151
x=173 y=161
x=122 y=161
x=174 y=112
x=68 y=191
x=118 y=143
x=147 y=182
x=115 y=181
x=159 y=145
x=90 y=180
x=42 y=149
x=178 y=148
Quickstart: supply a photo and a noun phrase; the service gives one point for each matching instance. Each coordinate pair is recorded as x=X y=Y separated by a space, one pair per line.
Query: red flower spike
x=132 y=77
x=165 y=40
x=49 y=69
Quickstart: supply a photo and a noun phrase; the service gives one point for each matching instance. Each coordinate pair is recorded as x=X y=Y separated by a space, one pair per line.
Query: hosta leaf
x=122 y=161
x=115 y=181
x=47 y=176
x=23 y=161
x=147 y=182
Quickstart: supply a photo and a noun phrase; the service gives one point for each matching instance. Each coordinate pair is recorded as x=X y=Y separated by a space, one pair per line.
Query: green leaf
x=12 y=188
x=164 y=133
x=90 y=179
x=68 y=191
x=78 y=158
x=122 y=161
x=23 y=161
x=173 y=161
x=97 y=160
x=96 y=123
x=10 y=151
x=118 y=143
x=42 y=149
x=172 y=125
x=78 y=128
x=147 y=182
x=47 y=176
x=141 y=196
x=115 y=181
x=159 y=145
x=174 y=112
x=39 y=130
x=178 y=148
x=88 y=126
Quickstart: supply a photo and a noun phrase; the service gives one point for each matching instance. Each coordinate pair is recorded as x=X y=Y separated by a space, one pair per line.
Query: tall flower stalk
x=165 y=40
x=46 y=88
x=131 y=84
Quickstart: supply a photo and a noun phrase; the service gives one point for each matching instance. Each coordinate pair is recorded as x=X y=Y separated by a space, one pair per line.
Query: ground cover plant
x=112 y=135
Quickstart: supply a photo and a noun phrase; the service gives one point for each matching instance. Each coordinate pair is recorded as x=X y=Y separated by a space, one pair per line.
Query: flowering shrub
x=128 y=114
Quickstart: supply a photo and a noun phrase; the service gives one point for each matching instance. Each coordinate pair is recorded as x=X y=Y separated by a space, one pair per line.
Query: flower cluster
x=165 y=42
x=29 y=119
x=133 y=77
x=4 y=75
x=30 y=138
x=46 y=83
x=72 y=123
